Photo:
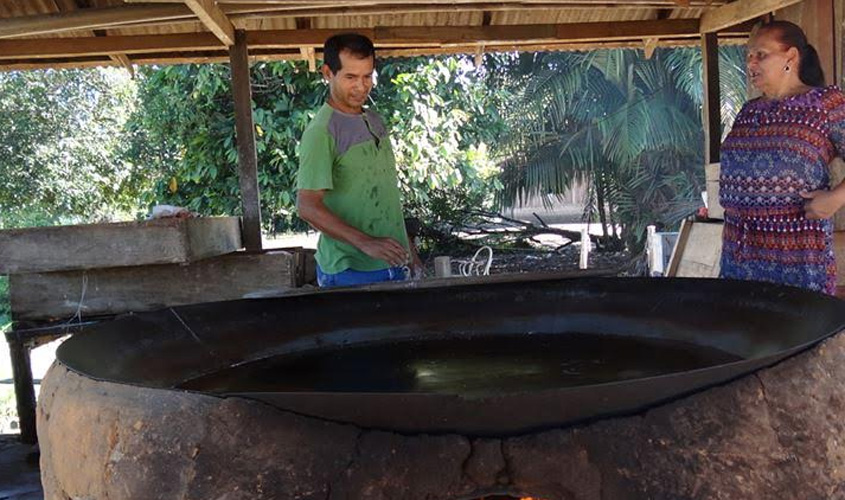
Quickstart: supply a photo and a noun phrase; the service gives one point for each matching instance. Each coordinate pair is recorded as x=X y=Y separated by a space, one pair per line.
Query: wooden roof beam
x=124 y=61
x=132 y=15
x=83 y=19
x=221 y=56
x=384 y=37
x=572 y=32
x=738 y=12
x=252 y=4
x=46 y=48
x=309 y=54
x=214 y=19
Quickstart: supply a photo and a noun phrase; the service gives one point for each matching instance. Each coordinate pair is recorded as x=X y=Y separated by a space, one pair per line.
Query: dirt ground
x=566 y=259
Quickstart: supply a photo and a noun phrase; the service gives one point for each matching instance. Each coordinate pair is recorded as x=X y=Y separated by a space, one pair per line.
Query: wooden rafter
x=124 y=61
x=573 y=32
x=145 y=15
x=66 y=6
x=214 y=19
x=310 y=55
x=220 y=56
x=91 y=19
x=384 y=37
x=649 y=46
x=105 y=46
x=739 y=12
x=227 y=5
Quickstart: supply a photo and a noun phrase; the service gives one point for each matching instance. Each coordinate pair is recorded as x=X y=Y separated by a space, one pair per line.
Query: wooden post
x=245 y=130
x=818 y=20
x=24 y=390
x=711 y=114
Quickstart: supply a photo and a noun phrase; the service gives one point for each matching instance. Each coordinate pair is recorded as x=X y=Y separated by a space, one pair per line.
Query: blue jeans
x=351 y=277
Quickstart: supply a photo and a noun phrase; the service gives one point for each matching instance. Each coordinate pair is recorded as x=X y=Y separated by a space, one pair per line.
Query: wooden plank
x=680 y=245
x=738 y=12
x=649 y=46
x=214 y=19
x=574 y=32
x=838 y=28
x=90 y=19
x=124 y=61
x=383 y=37
x=246 y=11
x=106 y=45
x=97 y=292
x=712 y=106
x=308 y=54
x=839 y=251
x=121 y=244
x=817 y=19
x=229 y=5
x=245 y=138
x=220 y=56
x=698 y=252
x=141 y=15
x=72 y=6
x=714 y=207
x=837 y=176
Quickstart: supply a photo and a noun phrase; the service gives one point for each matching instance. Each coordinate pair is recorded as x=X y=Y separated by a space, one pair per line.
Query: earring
x=786 y=68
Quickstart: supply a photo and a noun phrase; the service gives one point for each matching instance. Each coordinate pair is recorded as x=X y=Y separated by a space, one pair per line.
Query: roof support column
x=711 y=112
x=245 y=138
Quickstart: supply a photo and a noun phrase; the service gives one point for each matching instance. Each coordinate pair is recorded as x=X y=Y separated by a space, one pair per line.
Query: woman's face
x=767 y=61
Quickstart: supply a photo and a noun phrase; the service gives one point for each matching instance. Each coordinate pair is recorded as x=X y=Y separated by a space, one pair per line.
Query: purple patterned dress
x=776 y=149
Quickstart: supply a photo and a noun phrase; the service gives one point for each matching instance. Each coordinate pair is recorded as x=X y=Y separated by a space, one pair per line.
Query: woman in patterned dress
x=774 y=185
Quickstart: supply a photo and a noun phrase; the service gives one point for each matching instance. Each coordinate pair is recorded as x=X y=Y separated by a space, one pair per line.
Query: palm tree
x=627 y=126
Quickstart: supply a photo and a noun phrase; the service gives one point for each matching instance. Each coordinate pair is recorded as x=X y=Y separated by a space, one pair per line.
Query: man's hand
x=386 y=249
x=820 y=204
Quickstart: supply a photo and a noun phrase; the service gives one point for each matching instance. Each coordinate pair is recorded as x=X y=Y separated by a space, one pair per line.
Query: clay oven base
x=779 y=433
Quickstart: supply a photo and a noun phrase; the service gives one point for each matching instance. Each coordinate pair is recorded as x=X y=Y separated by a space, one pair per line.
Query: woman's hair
x=790 y=34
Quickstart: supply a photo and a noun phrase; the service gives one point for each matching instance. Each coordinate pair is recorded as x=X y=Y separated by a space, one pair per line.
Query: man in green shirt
x=347 y=184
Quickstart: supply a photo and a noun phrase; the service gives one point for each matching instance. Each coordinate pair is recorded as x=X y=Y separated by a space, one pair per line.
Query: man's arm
x=312 y=210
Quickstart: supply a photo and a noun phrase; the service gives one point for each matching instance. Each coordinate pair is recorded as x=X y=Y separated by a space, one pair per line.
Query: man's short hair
x=359 y=45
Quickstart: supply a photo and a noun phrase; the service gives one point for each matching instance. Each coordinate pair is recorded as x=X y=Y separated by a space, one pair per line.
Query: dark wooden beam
x=245 y=137
x=214 y=19
x=91 y=18
x=24 y=390
x=106 y=45
x=384 y=37
x=738 y=12
x=712 y=115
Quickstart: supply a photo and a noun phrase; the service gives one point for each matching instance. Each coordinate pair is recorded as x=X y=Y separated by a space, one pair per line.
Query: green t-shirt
x=350 y=156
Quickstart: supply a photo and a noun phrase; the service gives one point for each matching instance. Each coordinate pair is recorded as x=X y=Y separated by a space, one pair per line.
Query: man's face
x=351 y=85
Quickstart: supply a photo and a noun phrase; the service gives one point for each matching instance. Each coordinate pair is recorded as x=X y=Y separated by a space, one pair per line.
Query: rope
x=77 y=316
x=477 y=266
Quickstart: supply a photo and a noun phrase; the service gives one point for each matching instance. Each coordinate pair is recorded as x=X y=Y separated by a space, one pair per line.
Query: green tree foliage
x=444 y=119
x=628 y=126
x=59 y=134
x=183 y=133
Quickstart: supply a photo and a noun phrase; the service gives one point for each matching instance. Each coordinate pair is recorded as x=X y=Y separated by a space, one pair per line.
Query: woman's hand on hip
x=821 y=204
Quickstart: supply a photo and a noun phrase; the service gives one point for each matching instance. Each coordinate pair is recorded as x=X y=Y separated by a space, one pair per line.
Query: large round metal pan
x=759 y=323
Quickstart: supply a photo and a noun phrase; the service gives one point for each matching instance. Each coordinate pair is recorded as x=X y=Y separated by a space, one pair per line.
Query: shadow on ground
x=20 y=478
